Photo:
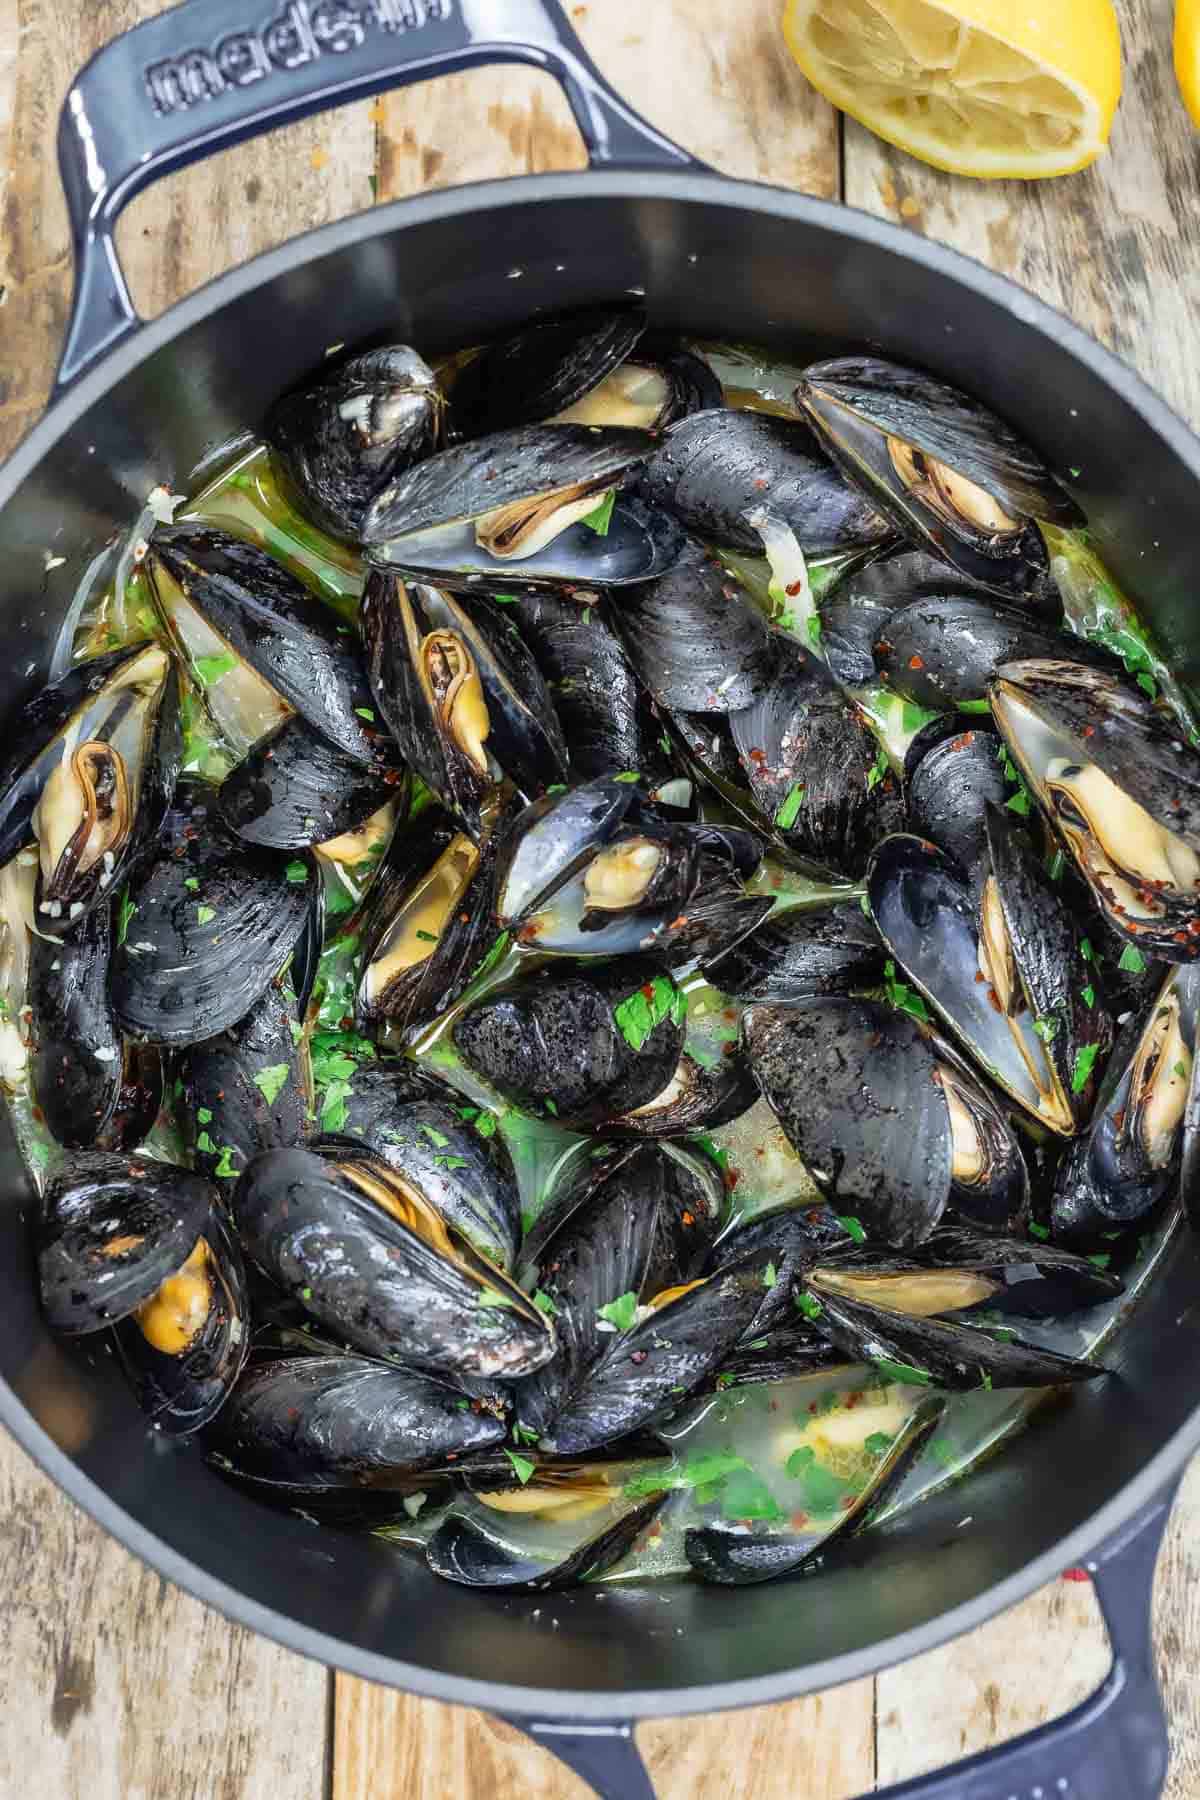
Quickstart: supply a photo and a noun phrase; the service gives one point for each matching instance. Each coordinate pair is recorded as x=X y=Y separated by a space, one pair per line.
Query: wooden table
x=115 y=1686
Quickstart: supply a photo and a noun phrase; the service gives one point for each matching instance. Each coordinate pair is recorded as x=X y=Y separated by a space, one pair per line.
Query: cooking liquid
x=795 y=1451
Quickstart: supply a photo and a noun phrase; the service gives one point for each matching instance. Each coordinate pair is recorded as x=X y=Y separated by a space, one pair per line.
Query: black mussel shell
x=799 y=953
x=604 y=712
x=739 y=1558
x=305 y=963
x=139 y=1101
x=416 y=1125
x=898 y=577
x=714 y=468
x=428 y=920
x=1129 y=1159
x=780 y=1353
x=463 y=1549
x=1057 y=978
x=706 y=744
x=296 y=789
x=204 y=927
x=78 y=1062
x=945 y=648
x=333 y=1422
x=950 y=788
x=247 y=1089
x=633 y=1222
x=795 y=1237
x=850 y=627
x=695 y=1099
x=696 y=639
x=461 y=694
x=648 y=1371
x=112 y=1229
x=393 y=1280
x=853 y=1085
x=814 y=768
x=97 y=811
x=528 y=376
x=273 y=623
x=927 y=915
x=184 y=1349
x=339 y=441
x=577 y=1045
x=937 y=1352
x=1121 y=788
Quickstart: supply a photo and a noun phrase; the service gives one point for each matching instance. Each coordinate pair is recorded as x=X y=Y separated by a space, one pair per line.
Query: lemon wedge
x=1187 y=54
x=982 y=87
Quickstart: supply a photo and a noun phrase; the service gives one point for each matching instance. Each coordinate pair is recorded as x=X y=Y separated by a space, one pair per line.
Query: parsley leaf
x=490 y=1296
x=523 y=1469
x=643 y=1012
x=272 y=1081
x=789 y=809
x=297 y=872
x=620 y=1312
x=124 y=917
x=600 y=517
x=1085 y=1060
x=1132 y=961
x=545 y=1304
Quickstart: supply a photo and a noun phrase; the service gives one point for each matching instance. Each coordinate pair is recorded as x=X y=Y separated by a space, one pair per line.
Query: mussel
x=1121 y=788
x=889 y=1123
x=205 y=926
x=460 y=692
x=950 y=785
x=800 y=952
x=90 y=775
x=949 y=475
x=295 y=789
x=257 y=643
x=814 y=768
x=427 y=922
x=18 y=879
x=577 y=1045
x=248 y=1088
x=371 y=1259
x=714 y=468
x=699 y=1097
x=1128 y=1161
x=1005 y=968
x=339 y=441
x=301 y=1429
x=535 y=502
x=944 y=649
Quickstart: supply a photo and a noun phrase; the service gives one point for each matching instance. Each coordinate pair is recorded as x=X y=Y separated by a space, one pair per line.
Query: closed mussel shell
x=112 y=1229
x=801 y=952
x=950 y=788
x=296 y=789
x=78 y=1062
x=248 y=1088
x=696 y=1098
x=543 y=369
x=945 y=649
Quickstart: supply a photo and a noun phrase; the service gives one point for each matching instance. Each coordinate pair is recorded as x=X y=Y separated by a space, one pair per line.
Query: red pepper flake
x=993 y=1000
x=648 y=990
x=679 y=923
x=916 y=662
x=772 y=1406
x=1181 y=937
x=1089 y=731
x=638 y=1357
x=793 y=588
x=799 y=1520
x=732 y=1177
x=689 y=1218
x=963 y=742
x=852 y=1400
x=730 y=1015
x=1075 y=1575
x=527 y=934
x=847 y=1501
x=758 y=758
x=1119 y=1119
x=761 y=483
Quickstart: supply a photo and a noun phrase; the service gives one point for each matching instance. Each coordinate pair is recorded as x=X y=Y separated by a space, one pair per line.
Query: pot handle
x=1112 y=1747
x=200 y=77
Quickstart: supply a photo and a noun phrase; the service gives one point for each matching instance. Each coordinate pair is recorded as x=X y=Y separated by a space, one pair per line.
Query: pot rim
x=838 y=221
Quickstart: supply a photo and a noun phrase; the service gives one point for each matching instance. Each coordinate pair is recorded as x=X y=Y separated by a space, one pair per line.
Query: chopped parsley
x=878 y=1444
x=125 y=914
x=1047 y=1027
x=364 y=712
x=620 y=1312
x=1019 y=803
x=1042 y=1232
x=770 y=1276
x=490 y=1296
x=522 y=1468
x=203 y=1115
x=878 y=770
x=493 y=957
x=1132 y=961
x=225 y=1168
x=902 y=995
x=644 y=1011
x=427 y=937
x=974 y=706
x=1101 y=1259
x=297 y=872
x=205 y=915
x=823 y=1490
x=600 y=517
x=1085 y=1061
x=1088 y=995
x=486 y=1124
x=192 y=883
x=272 y=1081
x=436 y=1137
x=1085 y=949
x=853 y=1227
x=1181 y=1070
x=628 y=776
x=545 y=1304
x=209 y=669
x=809 y=1305
x=899 y=1371
x=789 y=810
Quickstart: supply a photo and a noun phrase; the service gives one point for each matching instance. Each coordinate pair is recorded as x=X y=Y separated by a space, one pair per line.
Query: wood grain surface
x=116 y=1687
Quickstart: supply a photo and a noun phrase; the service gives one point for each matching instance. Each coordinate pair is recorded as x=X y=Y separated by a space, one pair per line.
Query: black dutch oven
x=138 y=404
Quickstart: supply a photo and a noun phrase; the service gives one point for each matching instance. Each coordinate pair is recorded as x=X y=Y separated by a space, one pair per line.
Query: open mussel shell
x=780 y=1353
x=948 y=474
x=319 y=1424
x=184 y=1348
x=340 y=440
x=949 y=789
x=577 y=1045
x=937 y=1352
x=814 y=768
x=530 y=375
x=569 y=1524
x=696 y=639
x=649 y=1370
x=375 y=1263
x=78 y=1060
x=799 y=953
x=461 y=694
x=927 y=915
x=112 y=1229
x=714 y=468
x=1026 y=931
x=853 y=1085
x=296 y=789
x=794 y=1237
x=959 y=1269
x=739 y=1556
x=90 y=776
x=1130 y=1157
x=417 y=1127
x=623 y=1226
x=1121 y=788
x=603 y=709
x=945 y=649
x=217 y=593
x=696 y=1098
x=247 y=1089
x=427 y=922
x=206 y=926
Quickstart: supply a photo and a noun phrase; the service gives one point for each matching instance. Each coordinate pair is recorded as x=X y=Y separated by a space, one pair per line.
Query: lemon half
x=986 y=88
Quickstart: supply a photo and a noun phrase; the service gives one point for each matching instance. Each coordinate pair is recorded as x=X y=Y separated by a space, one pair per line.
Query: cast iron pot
x=138 y=404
